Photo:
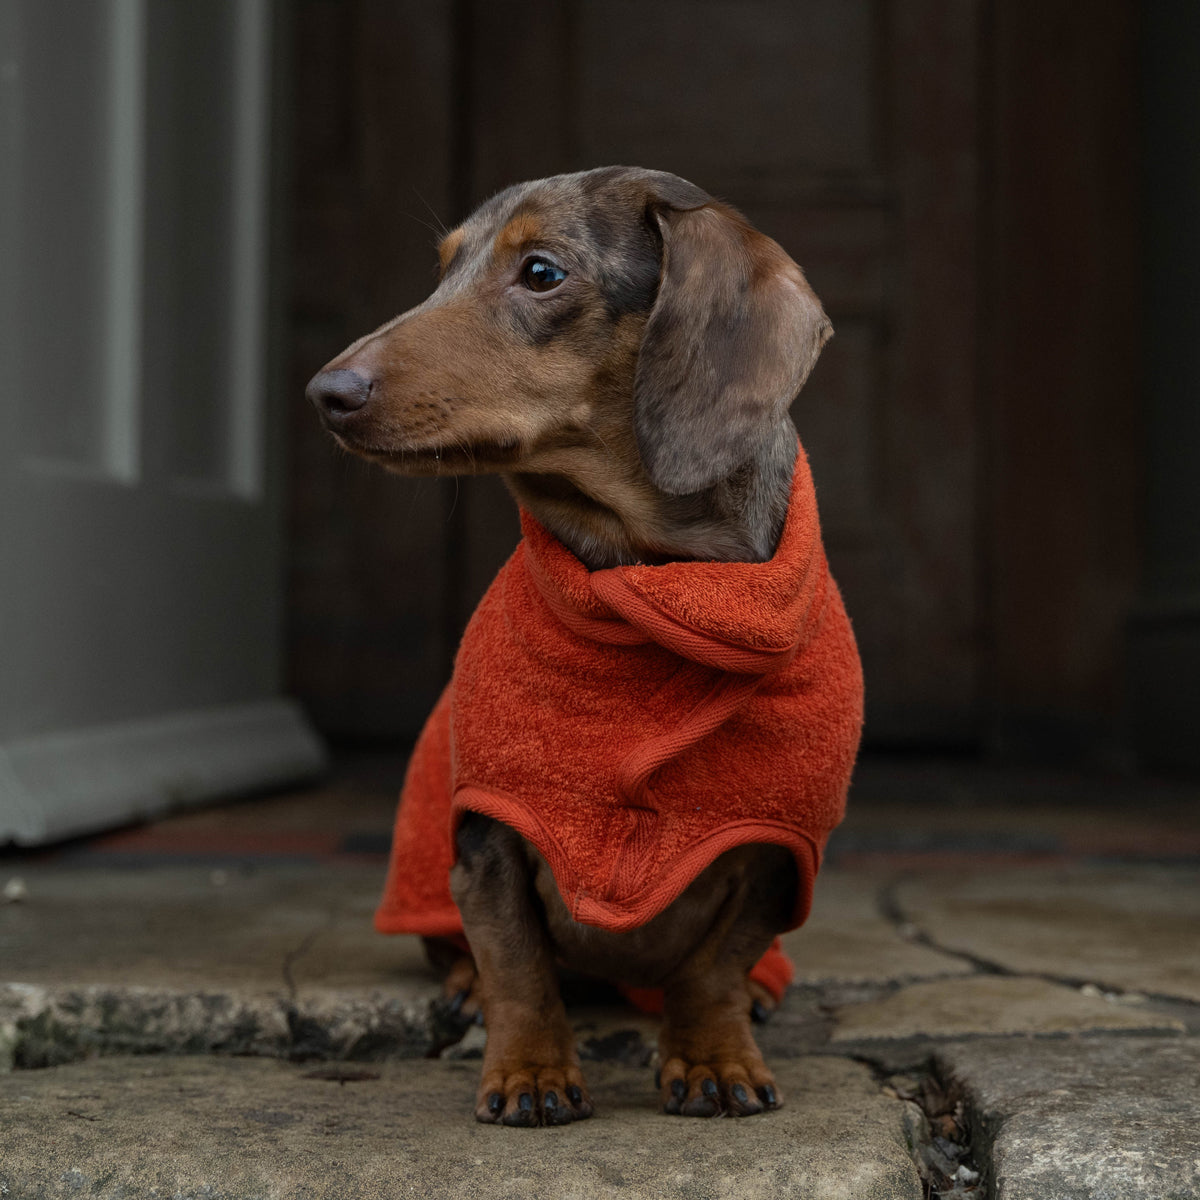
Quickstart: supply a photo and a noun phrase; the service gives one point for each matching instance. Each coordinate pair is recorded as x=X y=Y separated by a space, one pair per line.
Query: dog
x=623 y=350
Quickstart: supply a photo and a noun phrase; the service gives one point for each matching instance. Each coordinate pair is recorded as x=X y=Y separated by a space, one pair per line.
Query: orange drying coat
x=633 y=723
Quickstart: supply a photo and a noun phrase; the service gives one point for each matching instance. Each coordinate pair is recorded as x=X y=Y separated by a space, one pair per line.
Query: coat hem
x=671 y=879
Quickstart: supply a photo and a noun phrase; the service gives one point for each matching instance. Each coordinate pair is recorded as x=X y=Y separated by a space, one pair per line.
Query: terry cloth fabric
x=634 y=723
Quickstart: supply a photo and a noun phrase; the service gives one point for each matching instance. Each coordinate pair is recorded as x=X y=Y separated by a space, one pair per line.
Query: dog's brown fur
x=639 y=410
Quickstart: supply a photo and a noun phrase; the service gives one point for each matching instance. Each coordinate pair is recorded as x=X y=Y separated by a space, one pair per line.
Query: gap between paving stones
x=891 y=909
x=951 y=1143
x=1107 y=1118
x=940 y=1130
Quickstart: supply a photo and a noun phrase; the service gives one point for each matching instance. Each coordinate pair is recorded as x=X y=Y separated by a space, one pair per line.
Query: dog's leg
x=710 y=1062
x=458 y=1008
x=460 y=980
x=531 y=1072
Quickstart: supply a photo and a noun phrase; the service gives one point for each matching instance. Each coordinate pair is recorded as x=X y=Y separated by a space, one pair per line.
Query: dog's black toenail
x=739 y=1094
x=709 y=1087
x=456 y=1002
x=525 y=1102
x=759 y=1012
x=575 y=1095
x=495 y=1103
x=767 y=1092
x=554 y=1113
x=678 y=1089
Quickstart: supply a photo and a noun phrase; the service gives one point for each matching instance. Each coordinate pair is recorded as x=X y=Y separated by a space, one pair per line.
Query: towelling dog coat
x=633 y=723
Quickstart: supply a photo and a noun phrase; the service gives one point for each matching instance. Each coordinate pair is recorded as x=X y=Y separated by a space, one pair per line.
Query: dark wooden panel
x=1063 y=368
x=928 y=435
x=520 y=94
x=838 y=423
x=370 y=640
x=727 y=92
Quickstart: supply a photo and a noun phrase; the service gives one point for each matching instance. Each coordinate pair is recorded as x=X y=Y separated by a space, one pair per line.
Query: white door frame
x=140 y=494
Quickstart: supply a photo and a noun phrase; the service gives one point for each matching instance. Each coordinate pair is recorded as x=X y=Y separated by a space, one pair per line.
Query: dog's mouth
x=450 y=458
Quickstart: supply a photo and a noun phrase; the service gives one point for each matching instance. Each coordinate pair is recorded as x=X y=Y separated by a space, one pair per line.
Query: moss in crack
x=943 y=1133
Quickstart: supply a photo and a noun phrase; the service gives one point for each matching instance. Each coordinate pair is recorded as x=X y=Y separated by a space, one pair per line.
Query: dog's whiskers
x=440 y=228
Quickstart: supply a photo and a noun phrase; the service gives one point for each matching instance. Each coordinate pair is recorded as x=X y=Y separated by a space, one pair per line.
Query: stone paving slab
x=276 y=959
x=985 y=1004
x=847 y=939
x=203 y=927
x=236 y=1129
x=280 y=958
x=1120 y=927
x=1097 y=1119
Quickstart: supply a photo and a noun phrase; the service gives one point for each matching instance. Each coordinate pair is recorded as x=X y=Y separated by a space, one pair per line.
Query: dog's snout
x=337 y=394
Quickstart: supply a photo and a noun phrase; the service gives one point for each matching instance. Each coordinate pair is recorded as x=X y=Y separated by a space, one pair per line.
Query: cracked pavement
x=997 y=994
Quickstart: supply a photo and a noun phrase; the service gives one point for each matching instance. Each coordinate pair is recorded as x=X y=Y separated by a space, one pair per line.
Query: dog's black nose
x=338 y=393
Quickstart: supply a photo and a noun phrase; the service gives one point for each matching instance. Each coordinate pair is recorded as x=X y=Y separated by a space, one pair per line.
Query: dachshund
x=622 y=349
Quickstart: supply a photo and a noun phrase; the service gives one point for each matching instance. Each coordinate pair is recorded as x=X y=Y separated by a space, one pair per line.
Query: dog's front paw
x=531 y=1096
x=731 y=1087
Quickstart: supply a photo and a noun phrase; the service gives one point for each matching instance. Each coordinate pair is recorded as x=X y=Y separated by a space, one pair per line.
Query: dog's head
x=618 y=304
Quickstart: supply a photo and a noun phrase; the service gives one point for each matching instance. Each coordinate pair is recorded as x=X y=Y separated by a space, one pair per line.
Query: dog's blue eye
x=542 y=276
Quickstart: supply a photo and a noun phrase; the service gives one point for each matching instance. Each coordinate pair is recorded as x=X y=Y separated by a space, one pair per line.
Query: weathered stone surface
x=232 y=1129
x=991 y=1004
x=269 y=928
x=278 y=959
x=1097 y=1119
x=282 y=959
x=847 y=939
x=1120 y=927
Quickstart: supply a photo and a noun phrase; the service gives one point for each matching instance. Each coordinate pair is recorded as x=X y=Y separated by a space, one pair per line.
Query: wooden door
x=847 y=129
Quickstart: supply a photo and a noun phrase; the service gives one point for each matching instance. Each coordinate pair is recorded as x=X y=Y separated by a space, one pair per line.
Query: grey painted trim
x=63 y=784
x=121 y=448
x=248 y=246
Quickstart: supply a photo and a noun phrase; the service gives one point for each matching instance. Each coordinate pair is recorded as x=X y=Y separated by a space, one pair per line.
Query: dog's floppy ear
x=733 y=334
